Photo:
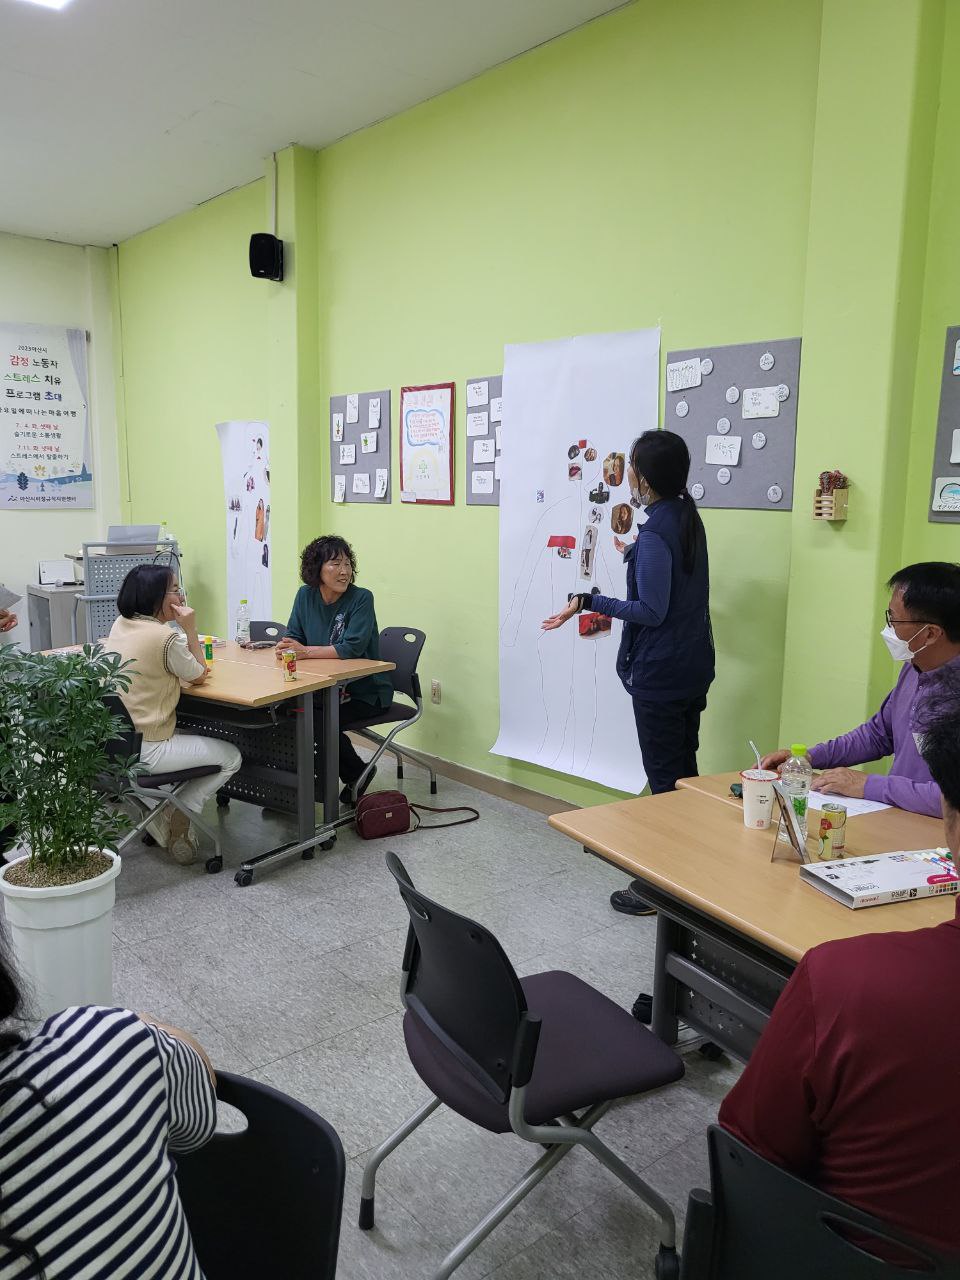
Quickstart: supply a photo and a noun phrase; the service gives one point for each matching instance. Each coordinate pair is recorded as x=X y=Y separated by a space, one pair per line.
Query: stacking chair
x=542 y=1057
x=402 y=646
x=759 y=1221
x=148 y=792
x=265 y=1202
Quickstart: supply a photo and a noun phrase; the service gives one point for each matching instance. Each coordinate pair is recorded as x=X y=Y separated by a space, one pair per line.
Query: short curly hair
x=316 y=554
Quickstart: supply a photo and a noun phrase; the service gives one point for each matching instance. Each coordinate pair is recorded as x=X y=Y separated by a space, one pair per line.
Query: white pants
x=187 y=751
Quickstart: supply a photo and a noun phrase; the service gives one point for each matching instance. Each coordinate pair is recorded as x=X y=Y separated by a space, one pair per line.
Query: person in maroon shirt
x=854 y=1083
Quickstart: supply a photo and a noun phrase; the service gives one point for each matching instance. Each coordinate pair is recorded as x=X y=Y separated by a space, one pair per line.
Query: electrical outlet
x=434 y=690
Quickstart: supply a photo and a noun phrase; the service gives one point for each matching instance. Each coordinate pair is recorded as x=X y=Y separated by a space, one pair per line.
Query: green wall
x=756 y=169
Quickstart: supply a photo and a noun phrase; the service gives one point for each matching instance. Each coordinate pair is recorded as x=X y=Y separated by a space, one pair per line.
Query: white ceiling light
x=50 y=4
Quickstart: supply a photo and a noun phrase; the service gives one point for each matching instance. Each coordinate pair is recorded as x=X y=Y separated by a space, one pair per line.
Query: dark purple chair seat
x=590 y=1051
x=396 y=711
x=150 y=781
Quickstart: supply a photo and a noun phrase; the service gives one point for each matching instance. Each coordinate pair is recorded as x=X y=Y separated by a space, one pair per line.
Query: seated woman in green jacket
x=334 y=618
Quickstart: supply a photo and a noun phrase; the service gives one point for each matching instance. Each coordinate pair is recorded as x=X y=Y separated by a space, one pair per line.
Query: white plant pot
x=62 y=939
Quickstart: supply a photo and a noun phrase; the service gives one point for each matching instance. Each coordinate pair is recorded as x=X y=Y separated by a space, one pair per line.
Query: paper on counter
x=817 y=799
x=361 y=482
x=477 y=393
x=353 y=408
x=481 y=482
x=484 y=450
x=380 y=489
x=477 y=424
x=339 y=488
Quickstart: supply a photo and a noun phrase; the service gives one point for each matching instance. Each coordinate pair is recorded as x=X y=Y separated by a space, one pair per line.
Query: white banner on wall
x=45 y=452
x=571 y=410
x=245 y=450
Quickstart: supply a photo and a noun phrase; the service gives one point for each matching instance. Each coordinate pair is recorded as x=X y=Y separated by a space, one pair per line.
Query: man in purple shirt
x=923 y=633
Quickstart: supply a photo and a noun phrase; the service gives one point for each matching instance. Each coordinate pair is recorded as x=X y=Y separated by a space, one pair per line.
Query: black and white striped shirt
x=87 y=1178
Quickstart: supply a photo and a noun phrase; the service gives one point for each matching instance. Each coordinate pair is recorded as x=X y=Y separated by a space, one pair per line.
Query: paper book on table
x=884 y=877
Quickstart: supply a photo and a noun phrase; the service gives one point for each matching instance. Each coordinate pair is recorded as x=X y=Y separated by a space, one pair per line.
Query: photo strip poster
x=245 y=452
x=45 y=448
x=571 y=410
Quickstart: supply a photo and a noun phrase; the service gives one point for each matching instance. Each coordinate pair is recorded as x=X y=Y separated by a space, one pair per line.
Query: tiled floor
x=295 y=980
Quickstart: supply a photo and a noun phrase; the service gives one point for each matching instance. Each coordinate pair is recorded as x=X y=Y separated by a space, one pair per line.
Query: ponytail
x=693 y=536
x=663 y=459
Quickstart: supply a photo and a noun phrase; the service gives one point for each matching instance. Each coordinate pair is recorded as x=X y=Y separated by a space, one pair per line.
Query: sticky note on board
x=380 y=489
x=353 y=408
x=496 y=409
x=361 y=482
x=484 y=450
x=496 y=468
x=339 y=488
x=956 y=358
x=760 y=402
x=338 y=426
x=683 y=374
x=477 y=393
x=723 y=451
x=368 y=442
x=496 y=437
x=348 y=455
x=481 y=482
x=373 y=413
x=477 y=423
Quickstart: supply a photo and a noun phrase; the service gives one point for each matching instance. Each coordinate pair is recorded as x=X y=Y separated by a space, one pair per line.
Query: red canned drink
x=289 y=659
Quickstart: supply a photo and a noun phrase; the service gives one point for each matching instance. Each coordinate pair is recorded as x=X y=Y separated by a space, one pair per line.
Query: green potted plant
x=59 y=893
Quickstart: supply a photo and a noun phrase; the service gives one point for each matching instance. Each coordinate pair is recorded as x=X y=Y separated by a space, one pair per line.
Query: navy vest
x=676 y=659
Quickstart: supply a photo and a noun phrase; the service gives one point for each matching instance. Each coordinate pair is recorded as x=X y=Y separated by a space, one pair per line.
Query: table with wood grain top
x=732 y=923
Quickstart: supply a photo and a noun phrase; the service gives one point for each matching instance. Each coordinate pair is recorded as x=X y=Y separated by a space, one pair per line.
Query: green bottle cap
x=798 y=749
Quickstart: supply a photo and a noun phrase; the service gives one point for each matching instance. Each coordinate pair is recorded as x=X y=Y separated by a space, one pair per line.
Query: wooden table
x=243 y=682
x=732 y=924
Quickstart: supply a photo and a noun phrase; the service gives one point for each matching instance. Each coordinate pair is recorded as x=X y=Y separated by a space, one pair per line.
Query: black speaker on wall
x=266 y=256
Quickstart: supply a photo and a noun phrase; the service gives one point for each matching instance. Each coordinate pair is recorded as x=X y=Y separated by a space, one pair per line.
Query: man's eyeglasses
x=916 y=622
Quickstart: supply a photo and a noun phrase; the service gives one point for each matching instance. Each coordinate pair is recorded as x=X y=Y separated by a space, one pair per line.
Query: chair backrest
x=260 y=631
x=265 y=1201
x=460 y=984
x=402 y=646
x=128 y=741
x=766 y=1222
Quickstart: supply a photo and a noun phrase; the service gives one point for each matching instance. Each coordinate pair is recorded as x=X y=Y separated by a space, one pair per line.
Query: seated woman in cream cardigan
x=162 y=656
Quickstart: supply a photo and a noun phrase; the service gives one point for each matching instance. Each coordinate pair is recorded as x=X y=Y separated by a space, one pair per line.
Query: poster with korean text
x=426 y=444
x=45 y=448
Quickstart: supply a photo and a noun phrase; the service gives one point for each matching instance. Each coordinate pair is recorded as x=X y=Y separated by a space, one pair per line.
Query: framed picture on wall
x=426 y=444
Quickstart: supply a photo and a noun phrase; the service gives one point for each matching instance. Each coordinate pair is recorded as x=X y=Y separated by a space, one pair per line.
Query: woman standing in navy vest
x=666 y=658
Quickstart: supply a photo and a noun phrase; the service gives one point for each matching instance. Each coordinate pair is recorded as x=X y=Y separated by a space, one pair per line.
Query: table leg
x=664 y=1022
x=306 y=802
x=331 y=753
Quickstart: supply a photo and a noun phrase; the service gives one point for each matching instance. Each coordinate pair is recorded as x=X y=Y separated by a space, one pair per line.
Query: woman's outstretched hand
x=558 y=619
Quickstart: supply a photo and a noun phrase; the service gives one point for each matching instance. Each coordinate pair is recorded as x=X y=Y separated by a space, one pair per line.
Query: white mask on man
x=900 y=650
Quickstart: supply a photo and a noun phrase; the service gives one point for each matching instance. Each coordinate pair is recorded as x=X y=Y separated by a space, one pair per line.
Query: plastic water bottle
x=797 y=777
x=242 y=630
x=165 y=535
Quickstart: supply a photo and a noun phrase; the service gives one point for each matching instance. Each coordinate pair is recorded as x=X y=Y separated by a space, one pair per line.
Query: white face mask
x=900 y=650
x=640 y=498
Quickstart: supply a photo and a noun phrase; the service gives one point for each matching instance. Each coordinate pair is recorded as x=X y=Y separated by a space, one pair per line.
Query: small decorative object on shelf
x=830 y=500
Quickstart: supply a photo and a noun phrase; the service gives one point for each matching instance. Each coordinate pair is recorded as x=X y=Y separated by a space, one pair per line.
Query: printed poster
x=426 y=444
x=45 y=447
x=571 y=410
x=245 y=451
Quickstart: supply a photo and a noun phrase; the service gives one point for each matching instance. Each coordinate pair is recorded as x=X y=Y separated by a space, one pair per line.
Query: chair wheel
x=243 y=878
x=223 y=802
x=712 y=1052
x=148 y=840
x=326 y=845
x=214 y=865
x=667 y=1265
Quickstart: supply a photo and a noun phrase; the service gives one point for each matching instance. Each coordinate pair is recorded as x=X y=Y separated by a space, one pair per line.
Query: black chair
x=273 y=631
x=759 y=1222
x=265 y=1202
x=148 y=793
x=402 y=646
x=542 y=1057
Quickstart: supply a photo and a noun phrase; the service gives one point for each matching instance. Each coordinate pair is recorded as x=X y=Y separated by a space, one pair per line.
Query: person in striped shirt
x=93 y=1106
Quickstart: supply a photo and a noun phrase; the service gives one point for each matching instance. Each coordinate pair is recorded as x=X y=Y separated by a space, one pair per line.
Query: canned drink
x=289 y=664
x=833 y=833
x=208 y=650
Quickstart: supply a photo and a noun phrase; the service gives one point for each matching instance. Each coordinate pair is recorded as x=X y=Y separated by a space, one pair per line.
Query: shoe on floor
x=346 y=795
x=182 y=842
x=643 y=1009
x=159 y=828
x=630 y=904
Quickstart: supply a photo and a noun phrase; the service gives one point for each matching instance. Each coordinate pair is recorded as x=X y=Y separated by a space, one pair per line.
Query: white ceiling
x=118 y=114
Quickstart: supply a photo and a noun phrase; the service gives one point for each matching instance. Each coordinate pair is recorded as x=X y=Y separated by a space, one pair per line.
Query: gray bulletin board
x=483 y=410
x=945 y=482
x=711 y=399
x=353 y=433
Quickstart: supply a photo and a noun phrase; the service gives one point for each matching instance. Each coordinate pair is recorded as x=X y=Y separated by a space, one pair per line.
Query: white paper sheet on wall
x=496 y=437
x=723 y=451
x=955 y=448
x=760 y=402
x=683 y=374
x=477 y=423
x=361 y=482
x=484 y=450
x=380 y=489
x=496 y=409
x=368 y=442
x=339 y=488
x=477 y=393
x=337 y=426
x=482 y=481
x=373 y=413
x=353 y=408
x=348 y=455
